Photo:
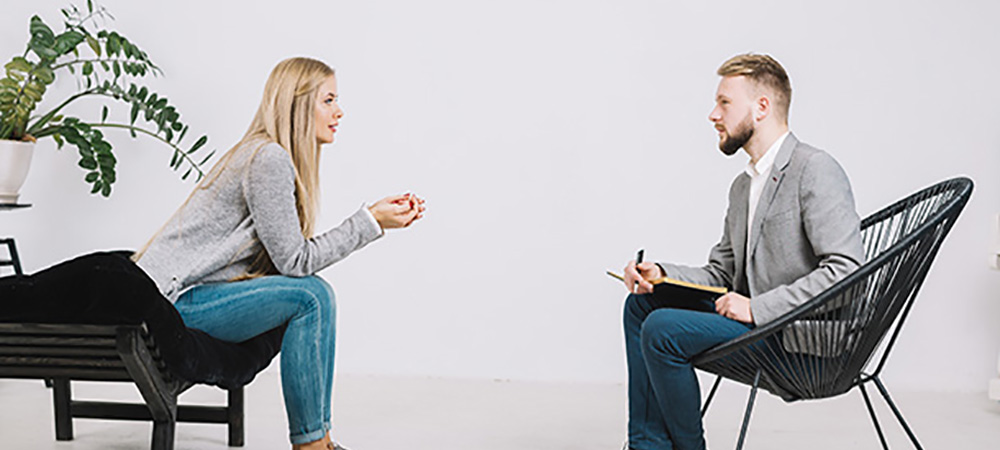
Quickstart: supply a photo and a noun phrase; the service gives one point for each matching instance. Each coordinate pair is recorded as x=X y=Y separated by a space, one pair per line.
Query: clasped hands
x=398 y=211
x=730 y=305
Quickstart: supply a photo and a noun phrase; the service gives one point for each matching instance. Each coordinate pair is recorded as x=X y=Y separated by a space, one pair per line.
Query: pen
x=638 y=260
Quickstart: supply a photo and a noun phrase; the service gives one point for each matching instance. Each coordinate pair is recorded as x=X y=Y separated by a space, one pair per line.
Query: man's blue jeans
x=240 y=310
x=663 y=392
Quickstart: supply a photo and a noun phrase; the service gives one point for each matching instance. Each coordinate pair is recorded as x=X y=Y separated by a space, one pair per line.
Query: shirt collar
x=764 y=163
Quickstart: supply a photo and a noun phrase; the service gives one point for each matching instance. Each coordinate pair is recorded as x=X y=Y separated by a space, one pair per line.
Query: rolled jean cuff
x=311 y=436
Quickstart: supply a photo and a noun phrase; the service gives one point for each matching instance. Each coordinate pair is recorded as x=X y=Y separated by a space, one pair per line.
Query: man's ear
x=762 y=108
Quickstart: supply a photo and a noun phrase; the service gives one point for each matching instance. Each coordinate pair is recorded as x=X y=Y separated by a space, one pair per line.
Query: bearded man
x=791 y=231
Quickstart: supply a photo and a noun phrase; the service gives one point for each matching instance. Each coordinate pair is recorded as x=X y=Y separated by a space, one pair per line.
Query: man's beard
x=738 y=138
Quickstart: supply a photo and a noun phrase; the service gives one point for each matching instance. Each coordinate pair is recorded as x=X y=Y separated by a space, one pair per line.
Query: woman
x=239 y=257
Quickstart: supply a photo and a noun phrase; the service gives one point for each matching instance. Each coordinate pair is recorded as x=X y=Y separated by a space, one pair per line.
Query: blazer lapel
x=738 y=232
x=770 y=188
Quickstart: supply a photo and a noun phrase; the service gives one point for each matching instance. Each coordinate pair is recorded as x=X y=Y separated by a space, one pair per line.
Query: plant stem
x=98 y=60
x=157 y=136
x=41 y=122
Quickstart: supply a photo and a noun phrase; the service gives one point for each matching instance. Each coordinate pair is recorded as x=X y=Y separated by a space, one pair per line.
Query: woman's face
x=328 y=112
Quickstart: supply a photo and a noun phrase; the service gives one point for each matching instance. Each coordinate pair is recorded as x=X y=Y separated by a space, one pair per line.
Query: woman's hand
x=398 y=211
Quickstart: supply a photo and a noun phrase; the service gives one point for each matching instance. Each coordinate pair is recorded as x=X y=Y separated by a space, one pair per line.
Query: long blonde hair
x=285 y=116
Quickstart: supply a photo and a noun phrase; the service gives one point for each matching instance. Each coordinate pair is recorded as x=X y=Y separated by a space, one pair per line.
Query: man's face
x=733 y=113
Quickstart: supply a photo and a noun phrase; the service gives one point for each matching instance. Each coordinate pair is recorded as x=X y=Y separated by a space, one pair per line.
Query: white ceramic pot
x=15 y=159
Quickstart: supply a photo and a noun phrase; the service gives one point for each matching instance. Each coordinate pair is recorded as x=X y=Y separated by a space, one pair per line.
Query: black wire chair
x=822 y=348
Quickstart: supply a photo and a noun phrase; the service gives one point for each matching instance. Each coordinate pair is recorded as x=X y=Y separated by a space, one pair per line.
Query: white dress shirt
x=759 y=174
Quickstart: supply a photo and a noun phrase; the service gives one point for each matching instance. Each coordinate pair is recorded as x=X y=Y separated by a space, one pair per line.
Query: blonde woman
x=239 y=257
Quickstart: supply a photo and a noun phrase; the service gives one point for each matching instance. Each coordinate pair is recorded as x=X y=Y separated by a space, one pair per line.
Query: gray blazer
x=806 y=234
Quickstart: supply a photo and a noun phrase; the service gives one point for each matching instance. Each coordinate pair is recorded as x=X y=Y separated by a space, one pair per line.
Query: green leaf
x=97 y=187
x=92 y=177
x=106 y=190
x=59 y=141
x=20 y=64
x=113 y=44
x=41 y=33
x=201 y=141
x=43 y=52
x=94 y=45
x=135 y=113
x=118 y=69
x=105 y=66
x=67 y=42
x=160 y=103
x=177 y=126
x=187 y=174
x=142 y=93
x=90 y=6
x=32 y=93
x=45 y=74
x=104 y=114
x=210 y=155
x=88 y=68
x=88 y=164
x=174 y=160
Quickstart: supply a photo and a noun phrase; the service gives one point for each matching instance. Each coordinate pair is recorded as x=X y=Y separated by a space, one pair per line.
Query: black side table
x=14 y=261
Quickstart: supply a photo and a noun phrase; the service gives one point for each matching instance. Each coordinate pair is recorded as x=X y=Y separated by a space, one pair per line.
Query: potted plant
x=104 y=64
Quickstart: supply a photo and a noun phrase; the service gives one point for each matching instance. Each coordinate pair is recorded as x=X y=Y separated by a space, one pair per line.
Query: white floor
x=428 y=413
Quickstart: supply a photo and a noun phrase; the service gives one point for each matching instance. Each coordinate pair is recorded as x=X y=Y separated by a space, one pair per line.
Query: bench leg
x=234 y=413
x=163 y=435
x=62 y=397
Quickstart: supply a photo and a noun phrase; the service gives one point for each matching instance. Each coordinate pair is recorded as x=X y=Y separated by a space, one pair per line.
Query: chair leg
x=234 y=413
x=711 y=394
x=871 y=411
x=899 y=416
x=746 y=416
x=62 y=397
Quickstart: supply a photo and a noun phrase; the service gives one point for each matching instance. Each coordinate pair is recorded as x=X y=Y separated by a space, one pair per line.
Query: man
x=791 y=231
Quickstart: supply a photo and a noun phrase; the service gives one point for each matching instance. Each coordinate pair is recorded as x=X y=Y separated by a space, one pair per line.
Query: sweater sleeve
x=269 y=190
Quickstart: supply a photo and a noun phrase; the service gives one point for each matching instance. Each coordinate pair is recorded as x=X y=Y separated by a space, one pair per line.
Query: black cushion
x=107 y=288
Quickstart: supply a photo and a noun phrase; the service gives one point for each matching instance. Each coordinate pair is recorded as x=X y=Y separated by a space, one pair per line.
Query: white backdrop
x=552 y=139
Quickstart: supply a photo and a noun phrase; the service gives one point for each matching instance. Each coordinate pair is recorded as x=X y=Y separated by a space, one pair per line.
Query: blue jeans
x=663 y=393
x=240 y=310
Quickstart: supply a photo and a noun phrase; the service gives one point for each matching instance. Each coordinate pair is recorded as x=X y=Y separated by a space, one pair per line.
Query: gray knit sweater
x=214 y=237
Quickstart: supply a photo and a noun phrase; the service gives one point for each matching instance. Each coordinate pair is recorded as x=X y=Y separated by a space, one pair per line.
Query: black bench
x=125 y=353
x=99 y=318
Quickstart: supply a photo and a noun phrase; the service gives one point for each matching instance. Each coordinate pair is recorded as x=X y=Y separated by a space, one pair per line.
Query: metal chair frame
x=821 y=348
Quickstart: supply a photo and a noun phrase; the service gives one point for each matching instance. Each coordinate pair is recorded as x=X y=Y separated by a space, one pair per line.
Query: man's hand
x=734 y=306
x=641 y=274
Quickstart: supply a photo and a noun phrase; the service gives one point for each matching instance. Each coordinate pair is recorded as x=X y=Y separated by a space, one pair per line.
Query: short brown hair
x=764 y=71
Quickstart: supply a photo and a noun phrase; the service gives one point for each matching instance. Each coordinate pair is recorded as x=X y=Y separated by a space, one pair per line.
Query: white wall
x=552 y=139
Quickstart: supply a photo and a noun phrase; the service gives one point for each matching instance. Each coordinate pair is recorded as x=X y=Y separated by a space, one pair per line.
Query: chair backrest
x=900 y=243
x=820 y=349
